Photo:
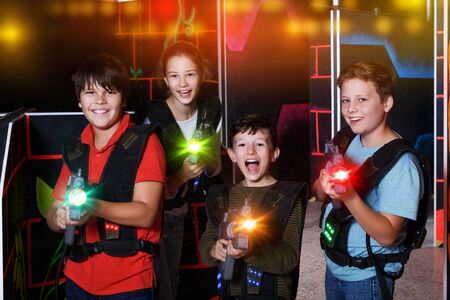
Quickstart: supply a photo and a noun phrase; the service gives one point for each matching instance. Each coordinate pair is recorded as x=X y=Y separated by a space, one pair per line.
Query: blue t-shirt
x=398 y=193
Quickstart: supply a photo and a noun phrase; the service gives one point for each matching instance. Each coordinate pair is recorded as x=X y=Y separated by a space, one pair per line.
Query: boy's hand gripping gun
x=75 y=198
x=236 y=226
x=336 y=169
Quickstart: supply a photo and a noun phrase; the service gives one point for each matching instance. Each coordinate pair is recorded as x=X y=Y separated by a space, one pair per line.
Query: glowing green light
x=329 y=232
x=194 y=147
x=77 y=197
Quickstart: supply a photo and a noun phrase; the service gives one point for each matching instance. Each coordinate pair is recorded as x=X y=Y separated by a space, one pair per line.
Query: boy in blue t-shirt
x=367 y=96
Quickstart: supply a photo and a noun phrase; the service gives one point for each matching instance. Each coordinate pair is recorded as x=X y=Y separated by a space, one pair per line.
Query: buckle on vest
x=356 y=262
x=146 y=246
x=94 y=248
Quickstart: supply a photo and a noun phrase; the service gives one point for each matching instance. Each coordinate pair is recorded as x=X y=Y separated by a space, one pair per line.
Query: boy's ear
x=231 y=154
x=388 y=103
x=79 y=104
x=165 y=80
x=275 y=154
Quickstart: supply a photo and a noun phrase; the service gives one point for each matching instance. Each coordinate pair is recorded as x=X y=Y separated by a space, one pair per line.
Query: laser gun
x=236 y=226
x=75 y=198
x=336 y=169
x=194 y=147
x=200 y=137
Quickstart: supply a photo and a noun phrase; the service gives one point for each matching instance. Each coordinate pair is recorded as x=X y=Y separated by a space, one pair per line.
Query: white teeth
x=356 y=119
x=99 y=111
x=251 y=161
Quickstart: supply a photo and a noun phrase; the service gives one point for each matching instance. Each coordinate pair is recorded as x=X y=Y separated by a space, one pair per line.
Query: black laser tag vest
x=367 y=176
x=116 y=185
x=276 y=206
x=171 y=136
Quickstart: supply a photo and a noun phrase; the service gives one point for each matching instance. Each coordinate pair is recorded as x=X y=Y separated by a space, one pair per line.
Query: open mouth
x=252 y=164
x=185 y=94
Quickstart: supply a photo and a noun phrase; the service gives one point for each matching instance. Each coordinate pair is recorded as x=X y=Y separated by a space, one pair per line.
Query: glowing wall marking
x=240 y=25
x=404 y=68
x=316 y=74
x=184 y=26
x=187 y=24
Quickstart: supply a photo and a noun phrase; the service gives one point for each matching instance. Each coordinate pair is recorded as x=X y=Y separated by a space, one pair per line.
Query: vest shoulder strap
x=159 y=113
x=75 y=154
x=372 y=171
x=343 y=138
x=282 y=197
x=210 y=109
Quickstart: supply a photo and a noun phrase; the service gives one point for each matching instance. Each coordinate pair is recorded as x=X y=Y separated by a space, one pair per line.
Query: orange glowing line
x=133 y=42
x=321 y=46
x=440 y=180
x=317 y=131
x=440 y=138
x=317 y=154
x=149 y=21
x=316 y=63
x=439 y=96
x=120 y=17
x=320 y=76
x=321 y=111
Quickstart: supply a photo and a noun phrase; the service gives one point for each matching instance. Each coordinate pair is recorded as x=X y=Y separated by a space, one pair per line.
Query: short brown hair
x=254 y=123
x=105 y=70
x=383 y=77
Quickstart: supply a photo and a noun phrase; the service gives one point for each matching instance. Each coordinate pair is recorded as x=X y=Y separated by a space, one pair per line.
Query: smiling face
x=183 y=79
x=363 y=109
x=253 y=153
x=101 y=107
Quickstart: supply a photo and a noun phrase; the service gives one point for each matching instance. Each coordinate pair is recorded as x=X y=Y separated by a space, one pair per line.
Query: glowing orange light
x=383 y=25
x=249 y=224
x=131 y=8
x=295 y=26
x=413 y=26
x=272 y=6
x=10 y=33
x=56 y=8
x=410 y=4
x=107 y=9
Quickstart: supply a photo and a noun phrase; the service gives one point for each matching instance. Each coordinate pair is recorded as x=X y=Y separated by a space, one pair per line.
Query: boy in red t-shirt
x=126 y=195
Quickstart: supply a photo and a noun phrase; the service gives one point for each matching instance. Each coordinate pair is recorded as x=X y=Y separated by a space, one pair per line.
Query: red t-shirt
x=102 y=274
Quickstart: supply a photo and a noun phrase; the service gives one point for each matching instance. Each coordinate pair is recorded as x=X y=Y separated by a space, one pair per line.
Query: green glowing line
x=189 y=25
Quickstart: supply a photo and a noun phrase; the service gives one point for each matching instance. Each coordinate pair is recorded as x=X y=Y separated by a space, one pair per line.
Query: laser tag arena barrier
x=31 y=161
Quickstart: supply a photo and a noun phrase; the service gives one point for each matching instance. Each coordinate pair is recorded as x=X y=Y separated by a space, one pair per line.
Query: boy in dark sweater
x=279 y=208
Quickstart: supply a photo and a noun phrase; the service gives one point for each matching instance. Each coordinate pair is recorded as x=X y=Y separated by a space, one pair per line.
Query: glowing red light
x=341 y=175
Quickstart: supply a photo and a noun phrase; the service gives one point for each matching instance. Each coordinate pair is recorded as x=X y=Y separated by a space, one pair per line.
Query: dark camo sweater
x=279 y=258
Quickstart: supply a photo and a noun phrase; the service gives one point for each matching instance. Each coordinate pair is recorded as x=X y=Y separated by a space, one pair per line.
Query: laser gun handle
x=69 y=235
x=339 y=188
x=228 y=268
x=193 y=159
x=76 y=181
